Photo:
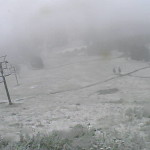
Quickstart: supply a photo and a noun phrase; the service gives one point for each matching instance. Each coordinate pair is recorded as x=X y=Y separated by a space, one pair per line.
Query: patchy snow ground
x=54 y=98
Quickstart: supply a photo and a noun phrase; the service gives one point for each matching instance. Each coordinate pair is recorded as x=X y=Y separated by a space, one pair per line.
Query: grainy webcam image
x=74 y=75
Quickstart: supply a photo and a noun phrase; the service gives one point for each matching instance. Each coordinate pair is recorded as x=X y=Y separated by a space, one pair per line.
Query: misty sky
x=24 y=22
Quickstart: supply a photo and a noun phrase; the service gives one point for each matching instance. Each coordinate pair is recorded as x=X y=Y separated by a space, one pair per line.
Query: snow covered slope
x=69 y=91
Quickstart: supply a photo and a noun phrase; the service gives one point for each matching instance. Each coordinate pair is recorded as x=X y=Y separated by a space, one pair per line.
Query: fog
x=81 y=67
x=28 y=27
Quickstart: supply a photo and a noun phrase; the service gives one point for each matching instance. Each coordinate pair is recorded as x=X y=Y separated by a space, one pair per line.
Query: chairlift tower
x=3 y=74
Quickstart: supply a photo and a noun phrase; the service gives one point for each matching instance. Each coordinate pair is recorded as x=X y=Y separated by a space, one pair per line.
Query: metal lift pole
x=16 y=75
x=5 y=84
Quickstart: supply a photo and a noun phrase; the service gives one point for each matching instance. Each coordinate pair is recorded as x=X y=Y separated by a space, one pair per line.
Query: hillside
x=70 y=91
